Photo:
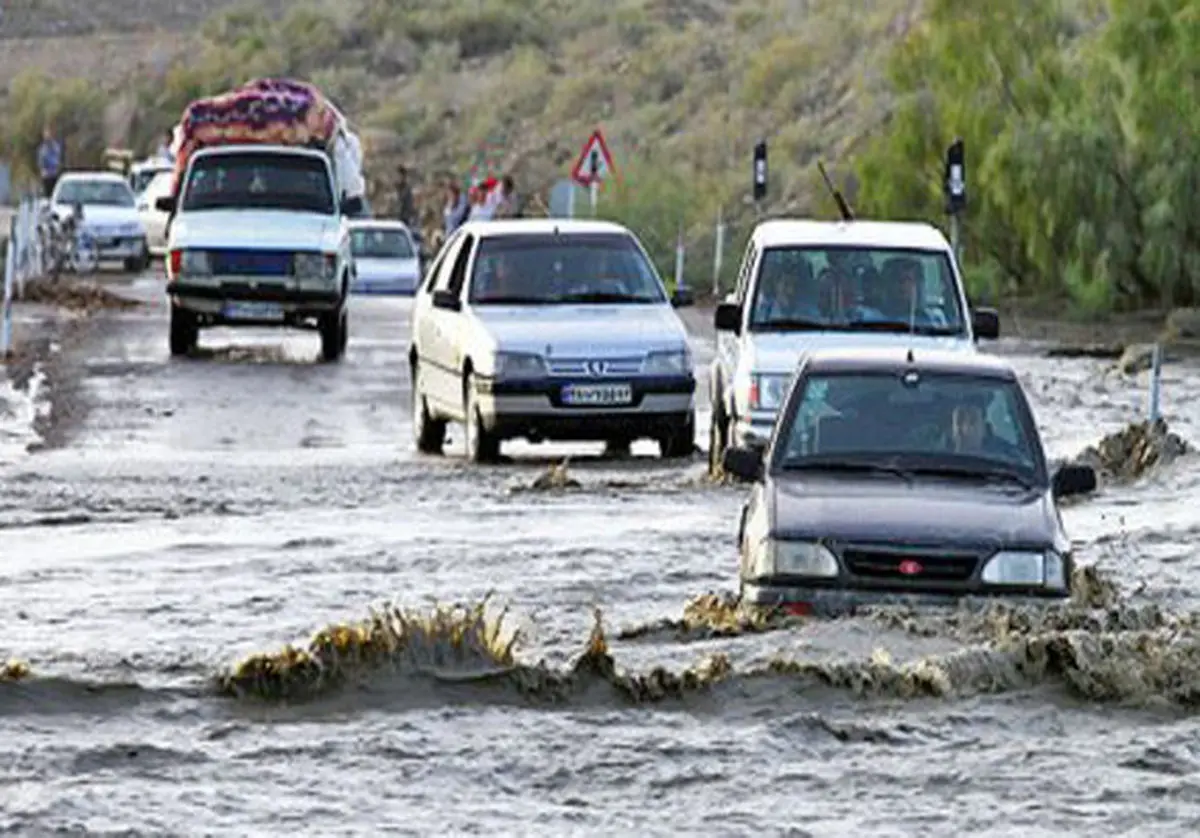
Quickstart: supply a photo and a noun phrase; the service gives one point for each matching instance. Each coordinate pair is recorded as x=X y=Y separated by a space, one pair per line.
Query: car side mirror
x=165 y=203
x=352 y=206
x=743 y=463
x=1072 y=479
x=683 y=297
x=447 y=300
x=728 y=318
x=985 y=322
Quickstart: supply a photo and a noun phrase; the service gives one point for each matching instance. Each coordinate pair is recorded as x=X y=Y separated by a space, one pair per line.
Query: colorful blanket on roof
x=263 y=111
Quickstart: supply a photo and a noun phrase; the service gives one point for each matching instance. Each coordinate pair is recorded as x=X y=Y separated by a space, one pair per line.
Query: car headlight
x=767 y=391
x=194 y=263
x=773 y=557
x=1026 y=568
x=673 y=362
x=519 y=365
x=314 y=267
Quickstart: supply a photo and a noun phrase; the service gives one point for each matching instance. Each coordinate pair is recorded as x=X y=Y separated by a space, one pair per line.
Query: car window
x=381 y=243
x=931 y=415
x=745 y=272
x=458 y=272
x=109 y=193
x=259 y=180
x=852 y=288
x=433 y=276
x=574 y=268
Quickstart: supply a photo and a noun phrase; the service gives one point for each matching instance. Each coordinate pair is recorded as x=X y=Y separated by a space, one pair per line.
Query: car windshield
x=259 y=180
x=950 y=423
x=564 y=269
x=856 y=289
x=108 y=193
x=381 y=244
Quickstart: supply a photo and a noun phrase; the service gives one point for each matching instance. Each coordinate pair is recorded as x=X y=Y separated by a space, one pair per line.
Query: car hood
x=369 y=269
x=267 y=229
x=590 y=330
x=101 y=214
x=781 y=351
x=924 y=512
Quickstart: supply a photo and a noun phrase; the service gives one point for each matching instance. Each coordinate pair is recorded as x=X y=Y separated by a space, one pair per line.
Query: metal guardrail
x=23 y=261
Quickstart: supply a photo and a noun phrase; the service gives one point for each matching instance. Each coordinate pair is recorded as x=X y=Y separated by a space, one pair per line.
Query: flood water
x=185 y=514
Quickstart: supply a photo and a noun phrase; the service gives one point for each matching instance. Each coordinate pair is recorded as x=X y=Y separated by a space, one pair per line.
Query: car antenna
x=839 y=199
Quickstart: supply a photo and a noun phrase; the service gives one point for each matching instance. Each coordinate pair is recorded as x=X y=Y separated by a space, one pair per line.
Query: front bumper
x=126 y=247
x=534 y=408
x=211 y=300
x=829 y=601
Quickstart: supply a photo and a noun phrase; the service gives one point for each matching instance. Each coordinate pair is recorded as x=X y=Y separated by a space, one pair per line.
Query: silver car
x=386 y=257
x=549 y=330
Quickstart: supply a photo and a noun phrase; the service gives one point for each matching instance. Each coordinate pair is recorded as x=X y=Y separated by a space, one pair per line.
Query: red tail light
x=754 y=394
x=176 y=261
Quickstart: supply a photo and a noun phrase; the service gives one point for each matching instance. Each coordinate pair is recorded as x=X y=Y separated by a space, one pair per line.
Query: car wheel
x=185 y=331
x=334 y=335
x=617 y=447
x=428 y=433
x=483 y=446
x=681 y=442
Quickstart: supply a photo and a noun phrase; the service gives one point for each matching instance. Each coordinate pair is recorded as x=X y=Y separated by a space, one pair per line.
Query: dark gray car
x=894 y=477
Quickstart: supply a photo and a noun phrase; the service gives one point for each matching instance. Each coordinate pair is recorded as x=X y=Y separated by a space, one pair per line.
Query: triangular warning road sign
x=595 y=160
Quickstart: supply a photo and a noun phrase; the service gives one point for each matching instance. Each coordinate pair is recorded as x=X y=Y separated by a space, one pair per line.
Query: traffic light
x=760 y=170
x=956 y=178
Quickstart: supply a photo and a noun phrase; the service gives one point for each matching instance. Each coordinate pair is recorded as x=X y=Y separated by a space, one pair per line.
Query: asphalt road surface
x=186 y=512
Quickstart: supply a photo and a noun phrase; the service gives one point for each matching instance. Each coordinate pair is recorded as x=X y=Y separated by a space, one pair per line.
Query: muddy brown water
x=186 y=514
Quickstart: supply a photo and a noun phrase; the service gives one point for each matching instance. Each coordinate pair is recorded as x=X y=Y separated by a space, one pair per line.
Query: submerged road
x=188 y=512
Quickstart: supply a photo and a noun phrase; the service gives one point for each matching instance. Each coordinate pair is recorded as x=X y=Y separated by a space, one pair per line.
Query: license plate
x=253 y=311
x=587 y=395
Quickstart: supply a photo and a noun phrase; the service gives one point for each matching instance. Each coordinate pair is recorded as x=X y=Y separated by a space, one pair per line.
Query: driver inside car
x=788 y=293
x=971 y=434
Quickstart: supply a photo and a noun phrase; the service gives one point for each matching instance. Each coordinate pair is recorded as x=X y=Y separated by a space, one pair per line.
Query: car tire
x=483 y=446
x=138 y=264
x=185 y=331
x=681 y=442
x=335 y=335
x=429 y=434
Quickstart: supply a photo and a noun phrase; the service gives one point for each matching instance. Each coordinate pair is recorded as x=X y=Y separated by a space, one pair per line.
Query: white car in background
x=550 y=330
x=147 y=170
x=110 y=215
x=386 y=257
x=153 y=219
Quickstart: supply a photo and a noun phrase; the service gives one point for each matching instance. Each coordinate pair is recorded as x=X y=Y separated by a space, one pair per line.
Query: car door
x=448 y=334
x=729 y=345
x=423 y=331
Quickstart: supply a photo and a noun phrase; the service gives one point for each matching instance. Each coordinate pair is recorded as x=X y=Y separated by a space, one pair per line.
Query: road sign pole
x=594 y=195
x=718 y=253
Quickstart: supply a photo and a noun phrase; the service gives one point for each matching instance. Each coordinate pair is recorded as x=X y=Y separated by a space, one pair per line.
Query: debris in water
x=555 y=478
x=76 y=295
x=1134 y=451
x=14 y=670
x=338 y=654
x=715 y=615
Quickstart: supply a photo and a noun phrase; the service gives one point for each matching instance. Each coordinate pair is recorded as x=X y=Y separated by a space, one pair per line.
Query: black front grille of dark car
x=890 y=565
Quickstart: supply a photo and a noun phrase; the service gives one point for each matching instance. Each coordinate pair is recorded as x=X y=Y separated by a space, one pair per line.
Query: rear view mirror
x=743 y=463
x=447 y=300
x=728 y=318
x=683 y=297
x=1072 y=479
x=352 y=206
x=165 y=203
x=985 y=322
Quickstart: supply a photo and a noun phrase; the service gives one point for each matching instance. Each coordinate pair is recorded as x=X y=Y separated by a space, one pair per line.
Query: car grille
x=898 y=565
x=581 y=366
x=247 y=262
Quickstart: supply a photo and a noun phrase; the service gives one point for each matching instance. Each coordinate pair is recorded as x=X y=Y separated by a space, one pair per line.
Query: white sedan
x=154 y=219
x=110 y=216
x=386 y=258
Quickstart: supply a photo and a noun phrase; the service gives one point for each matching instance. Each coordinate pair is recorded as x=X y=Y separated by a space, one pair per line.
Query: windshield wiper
x=602 y=297
x=845 y=466
x=511 y=300
x=901 y=326
x=792 y=324
x=981 y=473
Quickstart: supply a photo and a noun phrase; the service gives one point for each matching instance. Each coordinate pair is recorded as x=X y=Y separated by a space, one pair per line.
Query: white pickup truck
x=259 y=236
x=806 y=285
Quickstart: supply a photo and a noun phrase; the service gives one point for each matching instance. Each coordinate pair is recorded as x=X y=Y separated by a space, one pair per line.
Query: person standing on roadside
x=406 y=207
x=456 y=209
x=49 y=160
x=164 y=148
